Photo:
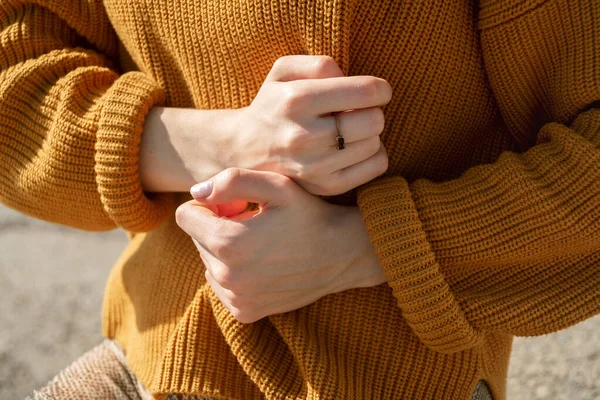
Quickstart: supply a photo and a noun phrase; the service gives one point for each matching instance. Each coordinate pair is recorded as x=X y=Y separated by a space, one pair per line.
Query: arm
x=512 y=246
x=71 y=125
x=255 y=263
x=173 y=157
x=71 y=148
x=288 y=128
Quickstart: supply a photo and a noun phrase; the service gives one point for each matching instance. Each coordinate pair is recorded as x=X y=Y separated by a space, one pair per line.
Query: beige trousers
x=102 y=373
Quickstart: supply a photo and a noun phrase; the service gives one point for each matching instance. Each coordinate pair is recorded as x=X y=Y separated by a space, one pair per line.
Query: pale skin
x=278 y=152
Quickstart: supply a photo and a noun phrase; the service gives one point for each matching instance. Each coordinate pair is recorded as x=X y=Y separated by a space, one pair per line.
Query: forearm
x=71 y=122
x=180 y=147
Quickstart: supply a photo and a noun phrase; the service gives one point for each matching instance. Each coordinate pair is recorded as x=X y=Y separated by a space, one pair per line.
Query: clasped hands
x=296 y=248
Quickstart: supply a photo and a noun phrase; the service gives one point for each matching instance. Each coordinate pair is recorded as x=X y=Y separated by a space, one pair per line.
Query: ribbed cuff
x=400 y=242
x=121 y=122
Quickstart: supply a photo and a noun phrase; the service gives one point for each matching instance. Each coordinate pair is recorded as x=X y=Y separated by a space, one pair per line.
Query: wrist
x=361 y=267
x=181 y=147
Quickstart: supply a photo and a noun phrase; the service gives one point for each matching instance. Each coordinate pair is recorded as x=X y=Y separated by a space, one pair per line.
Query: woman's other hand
x=290 y=127
x=294 y=250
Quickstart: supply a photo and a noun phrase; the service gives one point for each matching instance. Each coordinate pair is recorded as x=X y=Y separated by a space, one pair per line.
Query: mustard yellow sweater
x=487 y=223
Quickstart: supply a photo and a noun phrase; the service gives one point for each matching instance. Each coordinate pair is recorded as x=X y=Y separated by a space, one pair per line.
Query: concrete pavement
x=51 y=285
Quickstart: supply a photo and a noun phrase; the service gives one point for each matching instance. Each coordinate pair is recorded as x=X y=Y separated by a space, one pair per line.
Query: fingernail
x=202 y=190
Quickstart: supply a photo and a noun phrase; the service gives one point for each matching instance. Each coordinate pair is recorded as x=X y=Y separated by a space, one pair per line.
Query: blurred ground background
x=51 y=285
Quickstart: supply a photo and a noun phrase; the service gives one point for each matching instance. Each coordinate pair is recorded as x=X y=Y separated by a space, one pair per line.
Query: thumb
x=235 y=184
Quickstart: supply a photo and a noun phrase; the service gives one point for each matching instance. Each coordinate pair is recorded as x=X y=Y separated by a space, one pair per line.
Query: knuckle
x=185 y=217
x=293 y=95
x=381 y=163
x=222 y=247
x=238 y=284
x=231 y=279
x=223 y=275
x=325 y=66
x=243 y=316
x=281 y=62
x=231 y=176
x=235 y=301
x=377 y=120
x=297 y=138
x=234 y=280
x=181 y=214
x=372 y=146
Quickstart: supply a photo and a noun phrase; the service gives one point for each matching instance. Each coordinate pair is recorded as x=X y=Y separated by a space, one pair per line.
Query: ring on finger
x=340 y=143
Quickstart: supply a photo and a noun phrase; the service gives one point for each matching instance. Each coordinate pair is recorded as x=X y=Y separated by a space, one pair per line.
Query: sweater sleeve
x=512 y=246
x=70 y=124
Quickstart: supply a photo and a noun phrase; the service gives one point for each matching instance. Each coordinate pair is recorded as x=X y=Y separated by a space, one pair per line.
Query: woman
x=484 y=226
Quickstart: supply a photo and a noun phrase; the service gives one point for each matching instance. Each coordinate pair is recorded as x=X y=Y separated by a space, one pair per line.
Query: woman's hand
x=294 y=250
x=289 y=127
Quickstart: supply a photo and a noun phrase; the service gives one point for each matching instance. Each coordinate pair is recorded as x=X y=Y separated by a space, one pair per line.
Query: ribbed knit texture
x=487 y=223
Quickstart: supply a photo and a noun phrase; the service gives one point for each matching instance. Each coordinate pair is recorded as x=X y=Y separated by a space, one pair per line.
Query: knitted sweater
x=487 y=223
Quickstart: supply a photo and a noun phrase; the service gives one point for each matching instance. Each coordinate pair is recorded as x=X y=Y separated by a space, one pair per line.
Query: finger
x=291 y=68
x=234 y=184
x=354 y=126
x=219 y=291
x=257 y=307
x=323 y=96
x=208 y=259
x=225 y=295
x=245 y=215
x=231 y=209
x=353 y=154
x=197 y=220
x=363 y=172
